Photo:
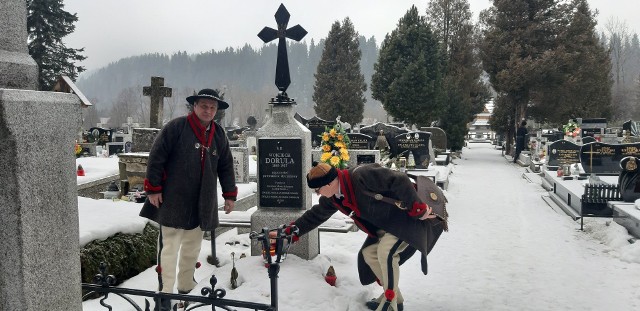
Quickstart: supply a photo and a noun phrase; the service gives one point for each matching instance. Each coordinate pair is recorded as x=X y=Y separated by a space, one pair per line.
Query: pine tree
x=47 y=24
x=407 y=78
x=579 y=82
x=464 y=94
x=339 y=87
x=517 y=36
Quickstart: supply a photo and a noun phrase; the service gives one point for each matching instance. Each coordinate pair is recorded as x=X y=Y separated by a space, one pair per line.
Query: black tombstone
x=317 y=126
x=390 y=133
x=552 y=135
x=563 y=152
x=629 y=179
x=593 y=126
x=631 y=127
x=359 y=141
x=365 y=158
x=601 y=158
x=438 y=137
x=300 y=119
x=101 y=136
x=416 y=143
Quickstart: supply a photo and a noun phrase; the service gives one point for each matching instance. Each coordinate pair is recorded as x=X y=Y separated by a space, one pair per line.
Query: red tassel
x=389 y=294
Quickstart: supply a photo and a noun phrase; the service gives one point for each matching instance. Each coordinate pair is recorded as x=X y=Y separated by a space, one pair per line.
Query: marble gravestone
x=359 y=141
x=562 y=152
x=39 y=229
x=601 y=158
x=438 y=137
x=416 y=144
x=390 y=133
x=284 y=153
x=318 y=126
x=629 y=179
x=241 y=164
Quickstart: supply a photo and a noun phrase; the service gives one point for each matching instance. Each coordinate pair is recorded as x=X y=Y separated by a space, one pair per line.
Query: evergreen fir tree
x=47 y=24
x=339 y=87
x=464 y=94
x=407 y=78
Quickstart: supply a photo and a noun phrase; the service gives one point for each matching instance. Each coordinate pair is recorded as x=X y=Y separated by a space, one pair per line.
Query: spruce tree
x=339 y=87
x=464 y=94
x=407 y=77
x=47 y=24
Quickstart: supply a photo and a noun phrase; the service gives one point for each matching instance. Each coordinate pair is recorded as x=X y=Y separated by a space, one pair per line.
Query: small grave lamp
x=80 y=171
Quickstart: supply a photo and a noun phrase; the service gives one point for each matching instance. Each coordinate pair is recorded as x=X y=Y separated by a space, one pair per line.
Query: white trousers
x=185 y=243
x=383 y=258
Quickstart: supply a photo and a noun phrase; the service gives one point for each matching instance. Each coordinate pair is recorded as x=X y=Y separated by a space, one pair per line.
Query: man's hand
x=428 y=214
x=155 y=199
x=228 y=206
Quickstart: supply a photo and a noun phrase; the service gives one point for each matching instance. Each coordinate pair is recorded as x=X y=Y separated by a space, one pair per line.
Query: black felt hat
x=210 y=94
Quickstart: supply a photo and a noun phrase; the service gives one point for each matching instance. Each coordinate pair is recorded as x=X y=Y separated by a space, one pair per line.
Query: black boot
x=373 y=304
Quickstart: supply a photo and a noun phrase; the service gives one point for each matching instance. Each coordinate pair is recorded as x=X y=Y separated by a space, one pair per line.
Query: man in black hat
x=186 y=158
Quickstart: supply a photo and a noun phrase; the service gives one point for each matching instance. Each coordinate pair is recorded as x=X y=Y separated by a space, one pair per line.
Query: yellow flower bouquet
x=334 y=146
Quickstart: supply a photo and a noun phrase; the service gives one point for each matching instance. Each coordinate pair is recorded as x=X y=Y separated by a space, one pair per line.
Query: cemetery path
x=508 y=250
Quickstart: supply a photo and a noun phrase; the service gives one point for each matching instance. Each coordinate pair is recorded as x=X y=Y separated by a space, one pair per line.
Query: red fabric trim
x=230 y=194
x=418 y=209
x=149 y=187
x=347 y=190
x=200 y=130
x=287 y=230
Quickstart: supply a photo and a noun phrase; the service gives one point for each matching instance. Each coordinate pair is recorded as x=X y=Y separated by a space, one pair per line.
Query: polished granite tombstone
x=563 y=152
x=601 y=158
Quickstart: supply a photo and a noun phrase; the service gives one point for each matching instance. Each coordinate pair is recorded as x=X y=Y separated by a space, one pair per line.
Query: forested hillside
x=246 y=76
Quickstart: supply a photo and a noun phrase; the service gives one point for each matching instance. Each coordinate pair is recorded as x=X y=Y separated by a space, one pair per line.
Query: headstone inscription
x=390 y=133
x=601 y=158
x=284 y=152
x=360 y=141
x=563 y=152
x=317 y=126
x=438 y=137
x=629 y=179
x=416 y=144
x=241 y=164
x=157 y=92
x=365 y=158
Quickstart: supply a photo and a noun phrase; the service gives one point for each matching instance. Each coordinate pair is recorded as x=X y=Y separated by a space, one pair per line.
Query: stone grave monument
x=562 y=153
x=157 y=92
x=284 y=152
x=39 y=230
x=417 y=145
x=604 y=159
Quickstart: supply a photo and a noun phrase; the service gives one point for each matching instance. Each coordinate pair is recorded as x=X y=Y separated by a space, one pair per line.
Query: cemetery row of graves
x=589 y=171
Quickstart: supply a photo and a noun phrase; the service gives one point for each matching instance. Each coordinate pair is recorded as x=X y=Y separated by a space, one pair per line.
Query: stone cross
x=283 y=79
x=157 y=91
x=17 y=69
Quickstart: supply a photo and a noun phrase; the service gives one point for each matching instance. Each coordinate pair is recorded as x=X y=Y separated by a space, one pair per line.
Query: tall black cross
x=283 y=79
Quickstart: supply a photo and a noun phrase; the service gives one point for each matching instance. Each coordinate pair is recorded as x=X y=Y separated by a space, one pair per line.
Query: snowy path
x=507 y=250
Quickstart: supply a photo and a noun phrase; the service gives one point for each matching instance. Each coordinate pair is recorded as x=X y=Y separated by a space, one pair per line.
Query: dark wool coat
x=370 y=214
x=185 y=174
x=521 y=135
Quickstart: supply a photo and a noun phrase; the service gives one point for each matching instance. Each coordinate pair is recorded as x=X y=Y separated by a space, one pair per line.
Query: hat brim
x=221 y=103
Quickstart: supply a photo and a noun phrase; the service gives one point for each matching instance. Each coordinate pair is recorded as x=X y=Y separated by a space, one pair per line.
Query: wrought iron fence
x=211 y=297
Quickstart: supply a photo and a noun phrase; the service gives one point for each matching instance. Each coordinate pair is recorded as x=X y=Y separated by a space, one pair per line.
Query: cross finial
x=283 y=79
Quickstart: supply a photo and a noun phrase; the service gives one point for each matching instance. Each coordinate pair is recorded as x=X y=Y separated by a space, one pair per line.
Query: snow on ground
x=506 y=250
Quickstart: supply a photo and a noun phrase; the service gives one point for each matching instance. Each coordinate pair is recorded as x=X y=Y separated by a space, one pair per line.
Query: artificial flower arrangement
x=571 y=129
x=78 y=150
x=335 y=144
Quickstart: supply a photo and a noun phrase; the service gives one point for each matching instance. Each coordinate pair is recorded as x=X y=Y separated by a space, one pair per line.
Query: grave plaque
x=365 y=158
x=416 y=143
x=360 y=141
x=280 y=164
x=317 y=126
x=601 y=158
x=115 y=148
x=241 y=164
x=563 y=152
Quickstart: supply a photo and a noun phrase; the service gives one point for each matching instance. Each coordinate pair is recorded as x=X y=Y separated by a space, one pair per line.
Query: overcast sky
x=114 y=29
